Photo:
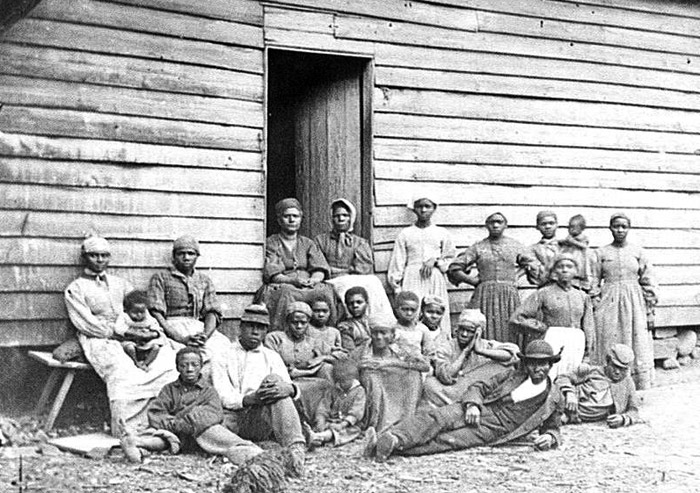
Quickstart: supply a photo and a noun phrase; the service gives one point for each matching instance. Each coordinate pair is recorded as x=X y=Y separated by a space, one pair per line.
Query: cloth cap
x=256 y=314
x=299 y=306
x=470 y=316
x=496 y=213
x=621 y=355
x=542 y=214
x=433 y=299
x=540 y=349
x=186 y=242
x=421 y=195
x=285 y=204
x=564 y=256
x=381 y=323
x=620 y=215
x=95 y=244
x=347 y=205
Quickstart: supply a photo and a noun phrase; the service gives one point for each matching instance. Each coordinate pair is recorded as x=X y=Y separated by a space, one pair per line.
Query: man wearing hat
x=546 y=249
x=507 y=407
x=184 y=302
x=596 y=393
x=255 y=389
x=465 y=359
x=560 y=314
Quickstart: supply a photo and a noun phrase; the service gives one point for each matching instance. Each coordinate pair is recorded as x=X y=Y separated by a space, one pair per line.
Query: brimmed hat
x=540 y=350
x=621 y=355
x=186 y=242
x=256 y=314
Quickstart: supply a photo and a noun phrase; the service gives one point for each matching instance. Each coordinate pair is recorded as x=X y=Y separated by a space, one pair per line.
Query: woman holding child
x=94 y=302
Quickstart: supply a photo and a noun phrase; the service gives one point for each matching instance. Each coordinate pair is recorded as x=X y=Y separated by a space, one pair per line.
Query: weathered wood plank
x=506 y=53
x=534 y=176
x=16 y=90
x=482 y=153
x=44 y=251
x=33 y=146
x=81 y=124
x=122 y=71
x=137 y=227
x=417 y=12
x=39 y=32
x=130 y=177
x=682 y=9
x=54 y=279
x=34 y=332
x=578 y=114
x=327 y=43
x=468 y=130
x=310 y=21
x=133 y=18
x=246 y=11
x=108 y=201
x=677 y=316
x=533 y=87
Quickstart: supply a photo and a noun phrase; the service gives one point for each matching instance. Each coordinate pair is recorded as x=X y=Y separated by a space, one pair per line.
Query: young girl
x=146 y=337
x=341 y=409
x=410 y=333
x=321 y=312
x=354 y=331
x=433 y=309
x=421 y=256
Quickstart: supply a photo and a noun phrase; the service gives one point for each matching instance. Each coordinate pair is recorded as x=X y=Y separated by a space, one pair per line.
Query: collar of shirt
x=179 y=274
x=239 y=346
x=199 y=383
x=545 y=241
x=91 y=274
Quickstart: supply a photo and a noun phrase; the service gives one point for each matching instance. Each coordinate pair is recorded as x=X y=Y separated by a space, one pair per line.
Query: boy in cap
x=546 y=249
x=596 y=393
x=507 y=407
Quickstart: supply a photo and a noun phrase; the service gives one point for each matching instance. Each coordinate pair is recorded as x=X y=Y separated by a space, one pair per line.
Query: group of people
x=322 y=356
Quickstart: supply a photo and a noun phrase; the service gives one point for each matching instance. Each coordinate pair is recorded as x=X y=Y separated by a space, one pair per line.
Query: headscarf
x=620 y=215
x=299 y=307
x=496 y=213
x=186 y=242
x=471 y=316
x=256 y=314
x=343 y=236
x=419 y=196
x=285 y=204
x=542 y=214
x=433 y=299
x=95 y=244
x=564 y=256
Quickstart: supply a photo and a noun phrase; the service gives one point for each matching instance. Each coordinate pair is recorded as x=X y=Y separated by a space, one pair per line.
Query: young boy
x=140 y=334
x=341 y=409
x=320 y=314
x=354 y=331
x=596 y=393
x=410 y=333
x=576 y=244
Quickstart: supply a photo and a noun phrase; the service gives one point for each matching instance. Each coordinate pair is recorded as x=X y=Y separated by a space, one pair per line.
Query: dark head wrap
x=287 y=203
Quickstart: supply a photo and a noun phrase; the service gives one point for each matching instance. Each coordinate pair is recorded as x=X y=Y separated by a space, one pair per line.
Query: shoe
x=386 y=443
x=370 y=448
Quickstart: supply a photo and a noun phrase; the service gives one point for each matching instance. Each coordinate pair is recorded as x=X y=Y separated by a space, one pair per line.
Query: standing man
x=546 y=249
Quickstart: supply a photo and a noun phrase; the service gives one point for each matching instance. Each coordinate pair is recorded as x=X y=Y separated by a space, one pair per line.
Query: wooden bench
x=68 y=370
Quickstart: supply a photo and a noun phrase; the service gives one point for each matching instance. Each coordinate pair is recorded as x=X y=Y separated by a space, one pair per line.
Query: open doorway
x=319 y=136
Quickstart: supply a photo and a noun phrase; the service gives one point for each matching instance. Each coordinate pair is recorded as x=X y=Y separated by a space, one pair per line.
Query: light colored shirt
x=241 y=372
x=528 y=390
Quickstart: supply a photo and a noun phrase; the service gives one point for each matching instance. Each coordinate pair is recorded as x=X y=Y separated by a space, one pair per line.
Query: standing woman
x=421 y=255
x=497 y=258
x=625 y=293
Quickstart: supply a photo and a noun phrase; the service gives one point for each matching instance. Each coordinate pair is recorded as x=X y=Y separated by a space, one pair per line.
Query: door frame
x=367 y=133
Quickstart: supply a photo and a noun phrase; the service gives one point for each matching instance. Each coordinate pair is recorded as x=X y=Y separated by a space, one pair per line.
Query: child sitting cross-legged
x=341 y=409
x=140 y=334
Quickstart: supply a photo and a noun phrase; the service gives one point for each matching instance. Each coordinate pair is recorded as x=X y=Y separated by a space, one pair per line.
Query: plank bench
x=68 y=370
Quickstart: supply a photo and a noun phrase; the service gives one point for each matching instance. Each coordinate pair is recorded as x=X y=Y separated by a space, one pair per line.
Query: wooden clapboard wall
x=140 y=120
x=577 y=106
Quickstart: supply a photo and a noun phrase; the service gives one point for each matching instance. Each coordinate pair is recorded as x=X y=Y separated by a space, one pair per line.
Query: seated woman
x=94 y=301
x=294 y=267
x=391 y=375
x=350 y=259
x=308 y=358
x=184 y=302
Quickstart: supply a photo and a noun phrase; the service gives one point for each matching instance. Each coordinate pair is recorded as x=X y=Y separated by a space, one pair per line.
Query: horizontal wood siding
x=582 y=107
x=140 y=121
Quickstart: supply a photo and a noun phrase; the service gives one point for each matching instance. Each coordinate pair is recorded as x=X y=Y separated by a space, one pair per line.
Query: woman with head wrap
x=294 y=269
x=422 y=252
x=497 y=258
x=625 y=293
x=94 y=301
x=350 y=259
x=308 y=358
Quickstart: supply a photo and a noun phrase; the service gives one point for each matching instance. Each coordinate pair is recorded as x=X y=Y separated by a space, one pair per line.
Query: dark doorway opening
x=319 y=136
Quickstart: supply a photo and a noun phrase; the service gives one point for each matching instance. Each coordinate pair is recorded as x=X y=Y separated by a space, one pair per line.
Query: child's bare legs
x=130 y=349
x=150 y=356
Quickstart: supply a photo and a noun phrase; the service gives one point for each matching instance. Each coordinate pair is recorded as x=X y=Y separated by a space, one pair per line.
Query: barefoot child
x=145 y=338
x=341 y=409
x=354 y=330
x=576 y=244
x=410 y=333
x=321 y=312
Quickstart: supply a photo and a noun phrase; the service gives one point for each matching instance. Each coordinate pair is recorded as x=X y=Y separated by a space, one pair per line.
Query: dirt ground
x=660 y=455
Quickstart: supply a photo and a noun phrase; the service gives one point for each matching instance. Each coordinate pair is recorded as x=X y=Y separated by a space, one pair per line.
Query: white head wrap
x=472 y=317
x=350 y=207
x=95 y=244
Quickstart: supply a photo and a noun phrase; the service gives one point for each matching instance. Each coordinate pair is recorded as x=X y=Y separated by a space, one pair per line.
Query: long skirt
x=621 y=317
x=497 y=301
x=572 y=344
x=379 y=306
x=392 y=395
